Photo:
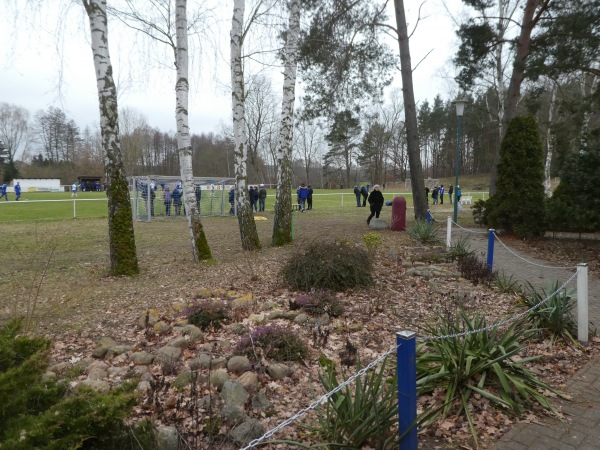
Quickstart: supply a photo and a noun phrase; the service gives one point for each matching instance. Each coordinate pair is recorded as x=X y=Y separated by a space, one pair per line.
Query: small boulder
x=233 y=393
x=167 y=354
x=247 y=431
x=167 y=438
x=278 y=371
x=218 y=378
x=141 y=358
x=117 y=350
x=103 y=346
x=260 y=401
x=97 y=385
x=162 y=327
x=238 y=364
x=149 y=318
x=179 y=342
x=249 y=380
x=233 y=414
x=192 y=332
x=183 y=379
x=301 y=318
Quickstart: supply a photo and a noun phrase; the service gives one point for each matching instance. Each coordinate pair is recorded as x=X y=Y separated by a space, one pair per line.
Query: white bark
x=183 y=131
x=120 y=222
x=248 y=231
x=549 y=143
x=282 y=226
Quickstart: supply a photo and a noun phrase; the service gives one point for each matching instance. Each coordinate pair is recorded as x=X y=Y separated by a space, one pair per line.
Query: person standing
x=262 y=197
x=73 y=190
x=17 y=191
x=3 y=191
x=442 y=194
x=177 y=194
x=365 y=194
x=251 y=198
x=458 y=193
x=357 y=194
x=434 y=195
x=232 y=200
x=309 y=198
x=256 y=198
x=375 y=202
x=450 y=191
x=427 y=194
x=167 y=200
x=302 y=196
x=198 y=194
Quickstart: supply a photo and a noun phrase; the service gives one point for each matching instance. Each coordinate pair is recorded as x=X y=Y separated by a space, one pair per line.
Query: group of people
x=91 y=186
x=257 y=196
x=305 y=197
x=437 y=193
x=4 y=191
x=362 y=191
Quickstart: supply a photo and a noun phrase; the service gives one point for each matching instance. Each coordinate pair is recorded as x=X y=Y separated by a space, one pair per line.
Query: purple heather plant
x=319 y=302
x=207 y=313
x=276 y=342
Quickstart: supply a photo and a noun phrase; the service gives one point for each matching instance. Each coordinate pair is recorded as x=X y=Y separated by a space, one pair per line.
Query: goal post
x=160 y=197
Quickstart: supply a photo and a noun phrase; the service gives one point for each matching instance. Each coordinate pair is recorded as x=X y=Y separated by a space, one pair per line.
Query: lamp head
x=460 y=106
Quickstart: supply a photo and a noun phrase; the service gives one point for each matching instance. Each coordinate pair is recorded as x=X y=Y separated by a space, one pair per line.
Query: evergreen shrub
x=518 y=204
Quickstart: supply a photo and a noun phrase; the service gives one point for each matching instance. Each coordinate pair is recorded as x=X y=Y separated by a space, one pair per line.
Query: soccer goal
x=429 y=182
x=159 y=197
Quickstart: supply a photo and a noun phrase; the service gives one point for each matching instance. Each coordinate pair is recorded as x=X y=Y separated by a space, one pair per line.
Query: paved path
x=581 y=429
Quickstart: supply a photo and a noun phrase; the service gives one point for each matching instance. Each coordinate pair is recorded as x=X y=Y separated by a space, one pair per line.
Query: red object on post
x=398 y=214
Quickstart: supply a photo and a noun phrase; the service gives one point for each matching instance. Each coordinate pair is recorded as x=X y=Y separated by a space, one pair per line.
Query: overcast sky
x=34 y=75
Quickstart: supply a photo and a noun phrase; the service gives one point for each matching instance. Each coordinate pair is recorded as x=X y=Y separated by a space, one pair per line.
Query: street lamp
x=460 y=109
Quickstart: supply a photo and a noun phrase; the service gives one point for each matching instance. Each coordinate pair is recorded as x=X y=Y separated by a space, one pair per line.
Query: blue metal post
x=428 y=216
x=407 y=388
x=490 y=252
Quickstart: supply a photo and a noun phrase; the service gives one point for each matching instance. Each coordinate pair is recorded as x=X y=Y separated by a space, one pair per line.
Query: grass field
x=41 y=206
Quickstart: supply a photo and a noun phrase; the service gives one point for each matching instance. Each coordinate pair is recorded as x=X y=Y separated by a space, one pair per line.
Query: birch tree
x=123 y=256
x=160 y=29
x=199 y=243
x=248 y=232
x=282 y=223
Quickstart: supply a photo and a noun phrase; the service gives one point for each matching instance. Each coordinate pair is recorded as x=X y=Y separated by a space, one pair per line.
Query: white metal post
x=582 y=303
x=74 y=211
x=449 y=233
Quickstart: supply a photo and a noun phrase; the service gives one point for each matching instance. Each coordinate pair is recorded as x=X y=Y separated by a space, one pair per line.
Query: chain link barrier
x=531 y=262
x=468 y=230
x=320 y=400
x=374 y=363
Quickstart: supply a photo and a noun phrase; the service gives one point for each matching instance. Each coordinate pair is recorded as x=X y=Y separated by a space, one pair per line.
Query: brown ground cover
x=55 y=273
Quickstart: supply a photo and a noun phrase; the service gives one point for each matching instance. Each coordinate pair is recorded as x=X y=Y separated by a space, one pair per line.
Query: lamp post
x=460 y=109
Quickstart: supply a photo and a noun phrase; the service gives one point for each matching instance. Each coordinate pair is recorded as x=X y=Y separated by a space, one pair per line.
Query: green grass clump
x=275 y=342
x=555 y=317
x=361 y=415
x=425 y=233
x=333 y=266
x=41 y=413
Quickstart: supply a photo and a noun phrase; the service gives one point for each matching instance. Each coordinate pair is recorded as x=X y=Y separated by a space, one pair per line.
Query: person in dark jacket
x=232 y=200
x=365 y=194
x=177 y=198
x=251 y=198
x=167 y=200
x=376 y=203
x=262 y=196
x=256 y=198
x=309 y=198
x=198 y=194
x=450 y=192
x=357 y=194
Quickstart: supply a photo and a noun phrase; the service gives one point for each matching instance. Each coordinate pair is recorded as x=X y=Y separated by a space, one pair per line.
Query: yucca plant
x=483 y=362
x=507 y=284
x=425 y=233
x=363 y=415
x=460 y=248
x=555 y=317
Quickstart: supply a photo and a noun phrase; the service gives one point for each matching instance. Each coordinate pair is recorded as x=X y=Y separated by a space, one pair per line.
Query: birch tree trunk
x=248 y=232
x=549 y=144
x=410 y=116
x=123 y=256
x=199 y=243
x=282 y=223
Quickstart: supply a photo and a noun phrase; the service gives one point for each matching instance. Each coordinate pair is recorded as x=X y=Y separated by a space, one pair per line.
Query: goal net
x=159 y=197
x=429 y=182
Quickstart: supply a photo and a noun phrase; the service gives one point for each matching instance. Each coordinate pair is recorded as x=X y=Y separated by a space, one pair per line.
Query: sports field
x=42 y=206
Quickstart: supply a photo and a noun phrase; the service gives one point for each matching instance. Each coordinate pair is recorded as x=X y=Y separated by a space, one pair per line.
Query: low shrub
x=372 y=241
x=479 y=212
x=207 y=314
x=363 y=416
x=334 y=266
x=555 y=317
x=484 y=363
x=475 y=270
x=425 y=233
x=41 y=413
x=275 y=342
x=318 y=303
